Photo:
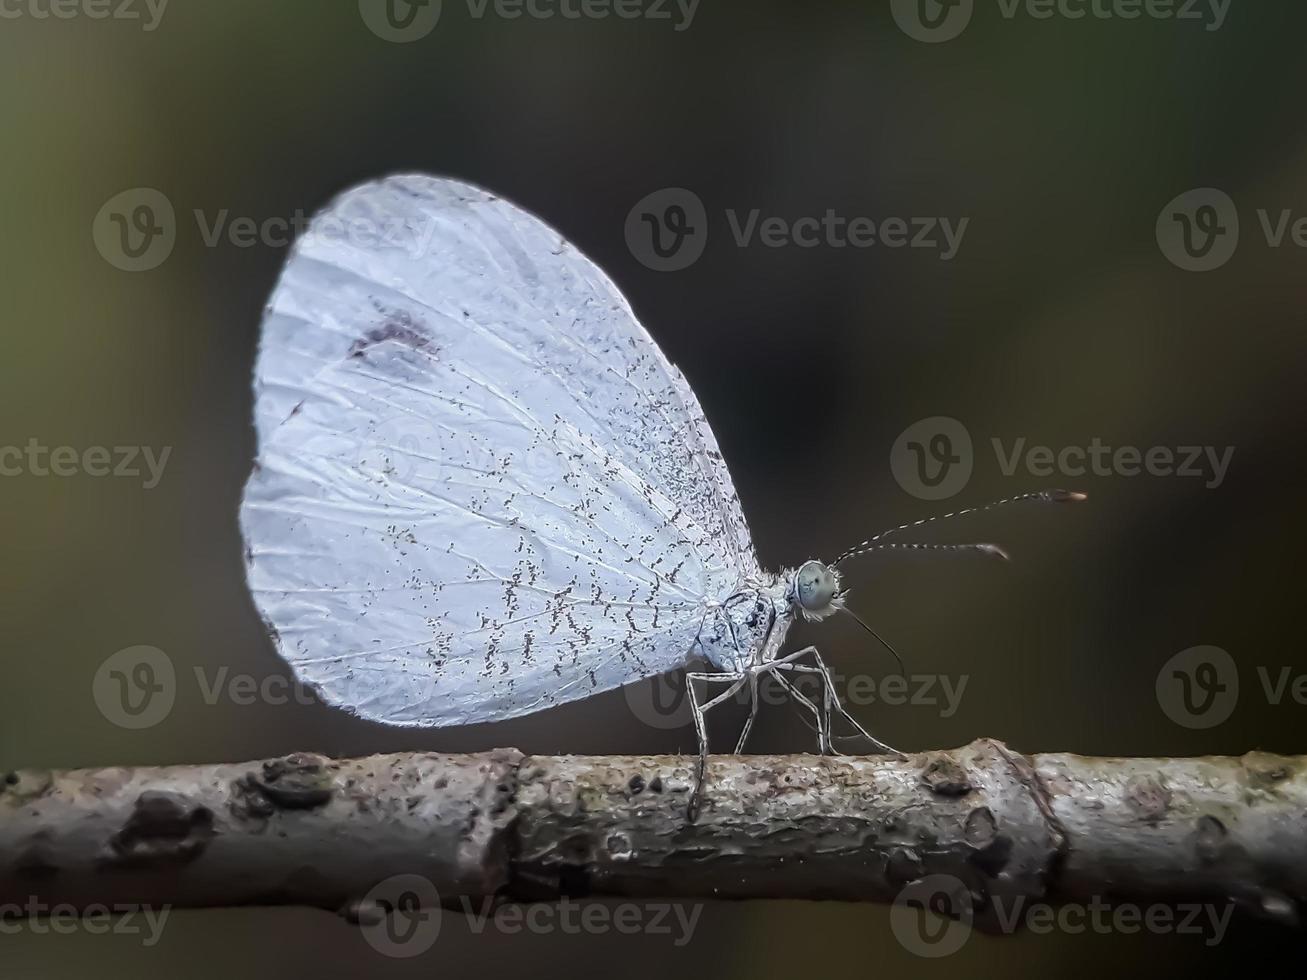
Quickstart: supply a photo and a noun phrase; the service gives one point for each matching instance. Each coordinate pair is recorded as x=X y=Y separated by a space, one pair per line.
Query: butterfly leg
x=819 y=716
x=832 y=698
x=822 y=718
x=698 y=710
x=753 y=711
x=826 y=706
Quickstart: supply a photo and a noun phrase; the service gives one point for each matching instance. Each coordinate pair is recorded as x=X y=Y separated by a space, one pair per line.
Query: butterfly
x=482 y=490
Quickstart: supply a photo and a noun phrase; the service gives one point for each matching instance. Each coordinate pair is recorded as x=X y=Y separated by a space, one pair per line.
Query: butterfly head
x=815 y=590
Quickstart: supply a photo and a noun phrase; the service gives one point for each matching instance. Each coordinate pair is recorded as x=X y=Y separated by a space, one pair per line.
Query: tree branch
x=305 y=830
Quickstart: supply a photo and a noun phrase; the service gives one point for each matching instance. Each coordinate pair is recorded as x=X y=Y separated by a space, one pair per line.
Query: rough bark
x=306 y=830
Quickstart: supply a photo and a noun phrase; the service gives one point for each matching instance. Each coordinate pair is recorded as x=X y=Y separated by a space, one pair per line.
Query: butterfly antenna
x=1039 y=496
x=883 y=642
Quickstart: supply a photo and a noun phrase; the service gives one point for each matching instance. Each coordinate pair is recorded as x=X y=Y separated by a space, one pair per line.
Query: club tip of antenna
x=993 y=551
x=1065 y=496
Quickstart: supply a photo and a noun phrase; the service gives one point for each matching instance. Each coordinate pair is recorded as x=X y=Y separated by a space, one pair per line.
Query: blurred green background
x=1060 y=320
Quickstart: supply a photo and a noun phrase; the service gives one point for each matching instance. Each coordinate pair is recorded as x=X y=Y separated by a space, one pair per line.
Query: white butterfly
x=482 y=490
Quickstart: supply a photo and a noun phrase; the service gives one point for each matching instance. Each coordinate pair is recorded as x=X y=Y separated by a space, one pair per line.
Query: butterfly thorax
x=748 y=627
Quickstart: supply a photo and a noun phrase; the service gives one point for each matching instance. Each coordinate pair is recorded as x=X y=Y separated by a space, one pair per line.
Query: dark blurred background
x=1066 y=315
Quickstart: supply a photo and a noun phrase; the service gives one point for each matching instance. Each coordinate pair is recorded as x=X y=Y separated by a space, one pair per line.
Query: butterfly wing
x=481 y=489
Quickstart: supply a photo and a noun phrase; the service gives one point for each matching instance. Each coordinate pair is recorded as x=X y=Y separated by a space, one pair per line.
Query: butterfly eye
x=815 y=586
